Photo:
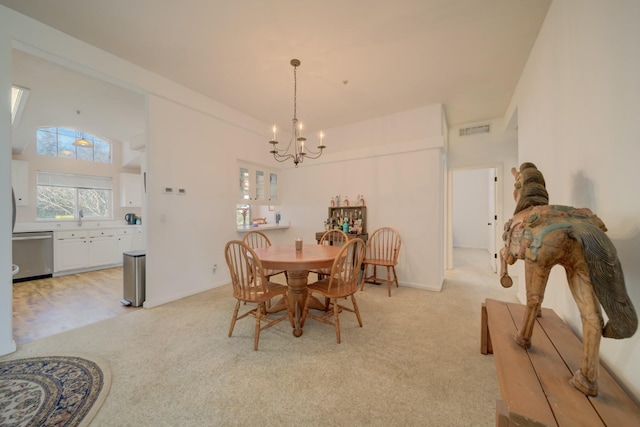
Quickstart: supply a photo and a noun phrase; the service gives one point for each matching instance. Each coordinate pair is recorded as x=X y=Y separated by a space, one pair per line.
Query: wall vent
x=475 y=130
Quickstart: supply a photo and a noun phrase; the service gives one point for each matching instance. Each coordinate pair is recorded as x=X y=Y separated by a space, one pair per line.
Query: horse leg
x=505 y=258
x=536 y=282
x=585 y=379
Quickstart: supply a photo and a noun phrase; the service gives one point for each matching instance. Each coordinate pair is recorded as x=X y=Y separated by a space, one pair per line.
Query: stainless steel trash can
x=133 y=268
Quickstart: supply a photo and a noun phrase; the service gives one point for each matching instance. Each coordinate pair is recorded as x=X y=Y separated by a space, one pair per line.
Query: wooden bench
x=534 y=384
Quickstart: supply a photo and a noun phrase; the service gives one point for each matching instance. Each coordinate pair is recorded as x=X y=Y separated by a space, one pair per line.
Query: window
x=19 y=97
x=62 y=196
x=58 y=142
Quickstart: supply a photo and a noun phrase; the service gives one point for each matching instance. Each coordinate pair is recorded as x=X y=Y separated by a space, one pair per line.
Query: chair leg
x=256 y=336
x=235 y=317
x=356 y=309
x=364 y=276
x=395 y=276
x=336 y=317
x=389 y=281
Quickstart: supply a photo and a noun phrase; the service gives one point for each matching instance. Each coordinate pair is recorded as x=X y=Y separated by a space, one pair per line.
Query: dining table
x=297 y=263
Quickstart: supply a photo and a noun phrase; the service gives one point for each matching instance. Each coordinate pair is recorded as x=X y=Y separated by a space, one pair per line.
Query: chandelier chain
x=295 y=94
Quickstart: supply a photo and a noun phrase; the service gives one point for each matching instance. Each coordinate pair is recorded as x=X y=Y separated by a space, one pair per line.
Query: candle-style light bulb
x=300 y=129
x=321 y=137
x=274 y=132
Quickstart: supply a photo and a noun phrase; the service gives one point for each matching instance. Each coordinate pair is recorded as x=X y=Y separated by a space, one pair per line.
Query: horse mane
x=533 y=191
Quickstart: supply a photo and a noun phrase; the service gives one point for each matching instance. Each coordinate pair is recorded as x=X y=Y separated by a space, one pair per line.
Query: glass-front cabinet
x=257 y=183
x=257 y=195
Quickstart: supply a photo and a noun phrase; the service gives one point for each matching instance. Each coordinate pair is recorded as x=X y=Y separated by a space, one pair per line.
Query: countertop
x=25 y=227
x=262 y=227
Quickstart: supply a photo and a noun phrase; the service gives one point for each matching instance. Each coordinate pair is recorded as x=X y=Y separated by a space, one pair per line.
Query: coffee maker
x=130 y=218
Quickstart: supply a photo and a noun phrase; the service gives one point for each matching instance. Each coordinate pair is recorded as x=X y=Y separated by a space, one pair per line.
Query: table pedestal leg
x=298 y=293
x=297 y=297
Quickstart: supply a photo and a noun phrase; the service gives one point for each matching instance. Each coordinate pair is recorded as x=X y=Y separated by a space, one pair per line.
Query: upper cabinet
x=257 y=183
x=20 y=181
x=131 y=190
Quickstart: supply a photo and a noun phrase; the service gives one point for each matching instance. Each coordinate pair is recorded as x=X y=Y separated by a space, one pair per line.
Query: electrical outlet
x=215 y=267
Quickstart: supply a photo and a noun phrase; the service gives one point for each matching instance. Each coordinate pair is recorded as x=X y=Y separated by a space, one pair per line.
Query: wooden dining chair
x=382 y=251
x=342 y=282
x=257 y=239
x=250 y=285
x=333 y=237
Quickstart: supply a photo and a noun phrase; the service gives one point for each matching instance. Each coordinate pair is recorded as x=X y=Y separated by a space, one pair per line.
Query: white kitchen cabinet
x=125 y=244
x=20 y=181
x=257 y=184
x=138 y=240
x=131 y=190
x=129 y=238
x=102 y=250
x=79 y=250
x=70 y=250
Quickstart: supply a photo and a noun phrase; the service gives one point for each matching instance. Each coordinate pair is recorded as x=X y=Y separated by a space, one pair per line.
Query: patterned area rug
x=52 y=391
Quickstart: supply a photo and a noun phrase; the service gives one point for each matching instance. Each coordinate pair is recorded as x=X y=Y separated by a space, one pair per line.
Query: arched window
x=71 y=144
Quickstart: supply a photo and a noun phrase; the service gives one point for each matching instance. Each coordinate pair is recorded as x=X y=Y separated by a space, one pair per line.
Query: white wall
x=578 y=110
x=187 y=233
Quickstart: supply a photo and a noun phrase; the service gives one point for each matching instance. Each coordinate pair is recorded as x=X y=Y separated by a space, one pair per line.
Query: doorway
x=473 y=212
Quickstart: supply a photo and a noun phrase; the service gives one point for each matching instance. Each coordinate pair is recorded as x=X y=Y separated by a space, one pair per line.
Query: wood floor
x=49 y=306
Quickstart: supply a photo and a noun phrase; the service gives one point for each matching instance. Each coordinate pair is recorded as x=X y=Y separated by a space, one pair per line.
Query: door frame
x=498 y=203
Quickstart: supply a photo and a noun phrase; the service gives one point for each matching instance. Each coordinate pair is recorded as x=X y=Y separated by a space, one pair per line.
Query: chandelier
x=296 y=149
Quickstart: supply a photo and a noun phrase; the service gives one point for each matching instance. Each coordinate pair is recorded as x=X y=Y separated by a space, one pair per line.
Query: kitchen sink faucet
x=80 y=216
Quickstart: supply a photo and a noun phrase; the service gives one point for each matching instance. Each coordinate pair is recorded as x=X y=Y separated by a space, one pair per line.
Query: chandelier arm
x=313 y=155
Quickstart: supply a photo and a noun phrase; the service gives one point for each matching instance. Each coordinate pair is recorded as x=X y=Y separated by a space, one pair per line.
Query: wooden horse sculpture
x=545 y=235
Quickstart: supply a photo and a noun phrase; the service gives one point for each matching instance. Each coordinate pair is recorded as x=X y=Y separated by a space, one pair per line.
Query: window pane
x=47 y=142
x=273 y=187
x=84 y=153
x=95 y=203
x=101 y=151
x=259 y=185
x=244 y=183
x=65 y=146
x=56 y=202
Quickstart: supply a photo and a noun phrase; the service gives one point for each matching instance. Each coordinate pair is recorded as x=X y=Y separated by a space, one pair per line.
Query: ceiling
x=361 y=59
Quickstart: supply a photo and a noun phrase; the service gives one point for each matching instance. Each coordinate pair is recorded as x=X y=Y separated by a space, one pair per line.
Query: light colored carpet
x=415 y=362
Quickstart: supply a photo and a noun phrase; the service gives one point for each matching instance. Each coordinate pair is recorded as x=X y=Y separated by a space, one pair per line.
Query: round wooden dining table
x=297 y=264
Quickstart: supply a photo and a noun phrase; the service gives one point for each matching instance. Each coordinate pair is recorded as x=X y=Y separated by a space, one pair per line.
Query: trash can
x=133 y=268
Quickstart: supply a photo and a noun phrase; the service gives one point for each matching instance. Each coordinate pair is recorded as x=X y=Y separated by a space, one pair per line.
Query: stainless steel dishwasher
x=33 y=254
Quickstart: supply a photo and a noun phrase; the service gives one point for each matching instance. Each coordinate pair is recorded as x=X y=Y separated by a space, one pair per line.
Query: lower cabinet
x=77 y=250
x=125 y=244
x=70 y=250
x=93 y=249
